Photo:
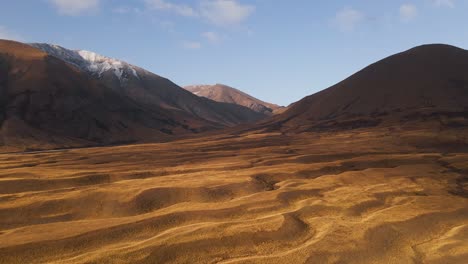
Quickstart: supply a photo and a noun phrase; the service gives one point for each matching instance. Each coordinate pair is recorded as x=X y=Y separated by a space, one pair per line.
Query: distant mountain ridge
x=227 y=94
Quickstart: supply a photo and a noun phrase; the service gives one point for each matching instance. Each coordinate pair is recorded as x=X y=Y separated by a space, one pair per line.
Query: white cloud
x=75 y=7
x=7 y=34
x=125 y=10
x=408 y=12
x=348 y=19
x=167 y=25
x=191 y=45
x=225 y=12
x=444 y=3
x=183 y=10
x=121 y=10
x=212 y=37
x=218 y=12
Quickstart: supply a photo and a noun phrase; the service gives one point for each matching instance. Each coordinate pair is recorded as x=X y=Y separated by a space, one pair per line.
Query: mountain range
x=148 y=88
x=55 y=97
x=52 y=97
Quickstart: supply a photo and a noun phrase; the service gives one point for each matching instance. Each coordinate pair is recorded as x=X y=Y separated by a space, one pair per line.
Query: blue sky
x=276 y=50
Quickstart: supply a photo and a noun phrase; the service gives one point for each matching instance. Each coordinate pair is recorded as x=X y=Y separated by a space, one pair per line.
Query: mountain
x=81 y=98
x=225 y=94
x=428 y=82
x=150 y=89
x=95 y=64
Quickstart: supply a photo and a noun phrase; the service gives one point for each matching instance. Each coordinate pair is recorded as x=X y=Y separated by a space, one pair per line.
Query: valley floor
x=363 y=196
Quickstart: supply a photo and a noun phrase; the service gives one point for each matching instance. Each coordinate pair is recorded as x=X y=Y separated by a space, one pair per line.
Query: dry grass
x=367 y=196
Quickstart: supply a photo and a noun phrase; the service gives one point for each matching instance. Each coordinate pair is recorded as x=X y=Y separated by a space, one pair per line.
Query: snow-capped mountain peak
x=90 y=62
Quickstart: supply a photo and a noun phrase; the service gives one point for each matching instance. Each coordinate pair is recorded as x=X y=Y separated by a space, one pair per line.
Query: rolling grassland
x=373 y=195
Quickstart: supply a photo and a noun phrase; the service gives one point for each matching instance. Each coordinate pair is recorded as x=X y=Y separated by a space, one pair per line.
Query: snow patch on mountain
x=90 y=62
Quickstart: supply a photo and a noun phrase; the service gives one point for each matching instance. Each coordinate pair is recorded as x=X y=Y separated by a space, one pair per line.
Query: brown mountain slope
x=150 y=89
x=226 y=94
x=425 y=82
x=48 y=103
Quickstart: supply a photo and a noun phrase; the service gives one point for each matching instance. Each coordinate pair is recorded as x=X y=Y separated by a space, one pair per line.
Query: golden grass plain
x=364 y=196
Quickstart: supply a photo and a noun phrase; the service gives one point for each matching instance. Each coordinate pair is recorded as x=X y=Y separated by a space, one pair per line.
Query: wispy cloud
x=225 y=12
x=126 y=10
x=348 y=19
x=408 y=12
x=180 y=9
x=444 y=3
x=191 y=45
x=75 y=7
x=167 y=25
x=7 y=34
x=121 y=10
x=212 y=37
x=217 y=12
